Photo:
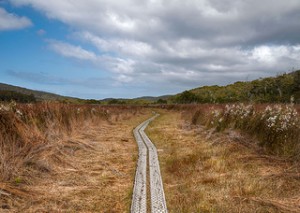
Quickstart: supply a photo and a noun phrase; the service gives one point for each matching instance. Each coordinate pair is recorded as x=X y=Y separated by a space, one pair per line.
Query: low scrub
x=280 y=89
x=277 y=127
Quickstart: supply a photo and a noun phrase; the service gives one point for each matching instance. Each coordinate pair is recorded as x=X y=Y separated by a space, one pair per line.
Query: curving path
x=139 y=197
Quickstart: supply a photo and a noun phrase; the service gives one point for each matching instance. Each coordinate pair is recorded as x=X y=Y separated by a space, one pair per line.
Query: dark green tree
x=187 y=97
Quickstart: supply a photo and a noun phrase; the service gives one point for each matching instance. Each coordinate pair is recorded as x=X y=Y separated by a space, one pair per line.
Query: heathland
x=279 y=89
x=217 y=153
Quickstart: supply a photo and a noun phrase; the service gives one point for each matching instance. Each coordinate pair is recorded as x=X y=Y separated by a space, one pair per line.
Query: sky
x=97 y=49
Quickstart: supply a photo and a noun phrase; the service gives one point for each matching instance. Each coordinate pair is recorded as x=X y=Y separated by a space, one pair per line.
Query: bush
x=8 y=96
x=277 y=127
x=187 y=97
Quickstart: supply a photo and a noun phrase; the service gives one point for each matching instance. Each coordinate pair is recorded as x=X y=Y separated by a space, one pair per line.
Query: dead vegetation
x=275 y=126
x=208 y=171
x=69 y=158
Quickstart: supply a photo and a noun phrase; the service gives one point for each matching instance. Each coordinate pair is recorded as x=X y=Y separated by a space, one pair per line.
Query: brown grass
x=206 y=171
x=68 y=158
x=282 y=138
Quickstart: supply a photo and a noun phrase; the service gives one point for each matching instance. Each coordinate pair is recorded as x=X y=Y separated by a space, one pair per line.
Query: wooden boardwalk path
x=139 y=197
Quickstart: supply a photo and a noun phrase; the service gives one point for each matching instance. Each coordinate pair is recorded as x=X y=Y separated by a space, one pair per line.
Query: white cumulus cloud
x=72 y=51
x=9 y=21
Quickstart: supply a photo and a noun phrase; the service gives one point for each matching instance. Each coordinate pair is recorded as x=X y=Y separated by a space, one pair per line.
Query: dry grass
x=205 y=171
x=56 y=159
x=276 y=127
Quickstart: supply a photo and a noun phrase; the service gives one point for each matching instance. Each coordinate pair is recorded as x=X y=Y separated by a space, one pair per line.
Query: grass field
x=214 y=158
x=208 y=171
x=67 y=158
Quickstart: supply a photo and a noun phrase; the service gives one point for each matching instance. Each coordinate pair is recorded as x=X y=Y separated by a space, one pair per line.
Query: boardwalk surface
x=139 y=198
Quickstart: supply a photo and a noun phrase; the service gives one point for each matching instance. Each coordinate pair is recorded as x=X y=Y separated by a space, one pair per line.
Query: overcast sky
x=130 y=48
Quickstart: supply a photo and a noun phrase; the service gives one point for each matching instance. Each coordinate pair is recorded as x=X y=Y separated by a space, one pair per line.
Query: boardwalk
x=139 y=198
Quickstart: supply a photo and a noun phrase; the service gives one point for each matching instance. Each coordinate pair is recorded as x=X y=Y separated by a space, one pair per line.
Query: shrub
x=276 y=126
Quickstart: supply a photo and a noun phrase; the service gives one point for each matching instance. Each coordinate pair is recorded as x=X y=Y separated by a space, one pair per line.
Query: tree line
x=283 y=89
x=7 y=96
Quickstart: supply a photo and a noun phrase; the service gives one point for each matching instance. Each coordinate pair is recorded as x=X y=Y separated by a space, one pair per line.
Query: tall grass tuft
x=31 y=135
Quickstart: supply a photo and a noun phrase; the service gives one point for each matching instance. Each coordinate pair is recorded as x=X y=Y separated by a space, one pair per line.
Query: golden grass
x=276 y=126
x=205 y=171
x=83 y=164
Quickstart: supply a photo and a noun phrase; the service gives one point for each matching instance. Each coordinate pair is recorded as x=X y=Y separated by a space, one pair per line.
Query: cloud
x=72 y=51
x=86 y=87
x=272 y=54
x=215 y=22
x=9 y=21
x=120 y=66
x=121 y=46
x=41 y=77
x=41 y=32
x=44 y=78
x=178 y=44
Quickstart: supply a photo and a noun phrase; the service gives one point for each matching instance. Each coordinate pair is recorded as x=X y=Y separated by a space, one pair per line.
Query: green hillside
x=38 y=95
x=152 y=98
x=8 y=96
x=267 y=90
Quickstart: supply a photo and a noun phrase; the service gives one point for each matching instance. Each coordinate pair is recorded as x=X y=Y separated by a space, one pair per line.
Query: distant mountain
x=39 y=95
x=5 y=90
x=139 y=100
x=152 y=98
x=280 y=89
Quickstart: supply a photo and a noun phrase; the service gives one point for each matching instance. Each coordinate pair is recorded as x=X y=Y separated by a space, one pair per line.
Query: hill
x=136 y=101
x=20 y=94
x=152 y=98
x=7 y=96
x=38 y=95
x=280 y=89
